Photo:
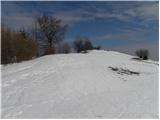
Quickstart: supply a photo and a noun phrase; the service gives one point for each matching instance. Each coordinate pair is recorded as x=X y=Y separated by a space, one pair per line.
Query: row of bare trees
x=16 y=46
x=49 y=33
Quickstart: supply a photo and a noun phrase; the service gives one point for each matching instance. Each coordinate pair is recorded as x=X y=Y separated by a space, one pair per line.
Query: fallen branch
x=123 y=71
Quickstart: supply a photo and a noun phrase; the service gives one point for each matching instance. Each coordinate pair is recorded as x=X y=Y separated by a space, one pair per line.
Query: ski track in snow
x=80 y=86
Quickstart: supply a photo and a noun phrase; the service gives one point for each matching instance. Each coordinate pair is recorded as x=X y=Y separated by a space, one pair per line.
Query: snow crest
x=80 y=86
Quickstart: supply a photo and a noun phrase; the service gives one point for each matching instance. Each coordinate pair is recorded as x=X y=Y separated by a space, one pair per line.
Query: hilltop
x=98 y=84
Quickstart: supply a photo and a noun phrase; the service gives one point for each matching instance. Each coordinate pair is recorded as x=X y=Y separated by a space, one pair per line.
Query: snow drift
x=80 y=86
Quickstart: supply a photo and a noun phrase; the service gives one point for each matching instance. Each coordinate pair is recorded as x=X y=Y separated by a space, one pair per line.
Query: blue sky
x=121 y=26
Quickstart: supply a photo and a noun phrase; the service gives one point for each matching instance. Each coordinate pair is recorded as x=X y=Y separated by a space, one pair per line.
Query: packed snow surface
x=80 y=86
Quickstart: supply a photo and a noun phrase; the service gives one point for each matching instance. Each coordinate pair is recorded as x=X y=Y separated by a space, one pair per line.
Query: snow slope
x=80 y=86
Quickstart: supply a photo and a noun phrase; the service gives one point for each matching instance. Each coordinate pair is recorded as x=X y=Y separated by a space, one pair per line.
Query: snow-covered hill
x=99 y=84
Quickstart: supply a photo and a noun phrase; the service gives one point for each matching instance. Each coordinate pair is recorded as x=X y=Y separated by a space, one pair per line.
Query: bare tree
x=51 y=31
x=87 y=45
x=82 y=44
x=78 y=44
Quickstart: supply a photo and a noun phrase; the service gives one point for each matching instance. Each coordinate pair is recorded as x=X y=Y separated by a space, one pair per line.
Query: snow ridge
x=80 y=86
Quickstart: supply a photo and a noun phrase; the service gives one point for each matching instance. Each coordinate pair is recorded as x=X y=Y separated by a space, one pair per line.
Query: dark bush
x=49 y=50
x=142 y=53
x=97 y=48
x=78 y=45
x=87 y=45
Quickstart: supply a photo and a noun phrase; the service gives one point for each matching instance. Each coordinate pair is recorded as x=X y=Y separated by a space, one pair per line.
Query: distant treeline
x=47 y=38
x=48 y=35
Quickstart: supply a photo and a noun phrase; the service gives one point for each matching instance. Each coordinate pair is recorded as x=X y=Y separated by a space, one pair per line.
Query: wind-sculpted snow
x=80 y=86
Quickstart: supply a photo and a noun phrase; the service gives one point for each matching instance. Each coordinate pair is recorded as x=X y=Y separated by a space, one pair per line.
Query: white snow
x=80 y=86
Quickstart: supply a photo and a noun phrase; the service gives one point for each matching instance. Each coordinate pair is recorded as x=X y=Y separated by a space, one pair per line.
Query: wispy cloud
x=18 y=21
x=125 y=34
x=144 y=11
x=123 y=11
